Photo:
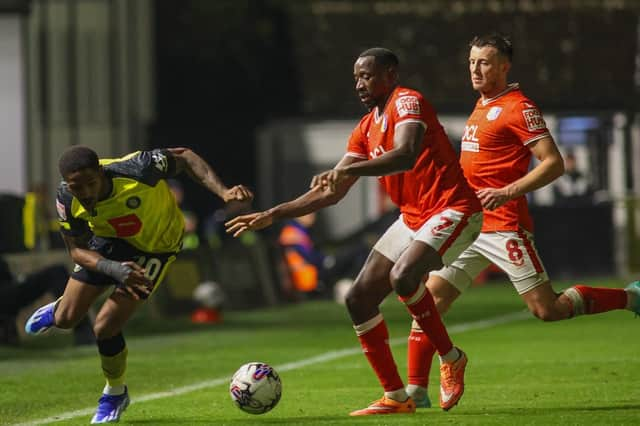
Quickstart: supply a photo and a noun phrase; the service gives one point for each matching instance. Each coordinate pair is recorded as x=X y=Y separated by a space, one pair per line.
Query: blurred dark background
x=263 y=90
x=224 y=68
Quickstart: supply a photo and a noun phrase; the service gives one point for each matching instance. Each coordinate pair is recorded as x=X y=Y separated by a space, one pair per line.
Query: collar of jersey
x=510 y=87
x=376 y=114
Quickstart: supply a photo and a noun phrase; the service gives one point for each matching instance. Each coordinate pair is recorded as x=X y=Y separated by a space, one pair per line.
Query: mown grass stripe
x=324 y=357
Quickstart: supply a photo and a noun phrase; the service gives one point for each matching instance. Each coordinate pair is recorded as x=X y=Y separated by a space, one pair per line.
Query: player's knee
x=103 y=329
x=354 y=299
x=403 y=280
x=442 y=303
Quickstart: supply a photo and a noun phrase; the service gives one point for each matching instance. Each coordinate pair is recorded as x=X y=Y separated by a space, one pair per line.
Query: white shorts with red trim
x=512 y=251
x=449 y=232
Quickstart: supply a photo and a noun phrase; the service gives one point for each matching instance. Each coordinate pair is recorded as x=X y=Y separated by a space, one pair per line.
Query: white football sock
x=399 y=395
x=113 y=390
x=450 y=356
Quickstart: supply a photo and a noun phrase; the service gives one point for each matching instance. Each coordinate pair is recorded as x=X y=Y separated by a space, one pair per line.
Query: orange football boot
x=452 y=381
x=387 y=406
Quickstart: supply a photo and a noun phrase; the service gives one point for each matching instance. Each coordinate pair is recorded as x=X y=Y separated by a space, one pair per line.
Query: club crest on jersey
x=133 y=202
x=533 y=119
x=408 y=105
x=62 y=213
x=493 y=113
x=161 y=161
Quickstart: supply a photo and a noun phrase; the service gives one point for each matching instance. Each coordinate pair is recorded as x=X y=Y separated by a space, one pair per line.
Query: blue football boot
x=42 y=319
x=634 y=290
x=111 y=407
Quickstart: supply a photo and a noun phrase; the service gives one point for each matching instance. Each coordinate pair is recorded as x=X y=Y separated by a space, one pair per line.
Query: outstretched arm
x=200 y=171
x=311 y=201
x=551 y=167
x=406 y=147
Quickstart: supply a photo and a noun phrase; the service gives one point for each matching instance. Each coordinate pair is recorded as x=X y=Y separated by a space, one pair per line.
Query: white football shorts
x=449 y=232
x=512 y=251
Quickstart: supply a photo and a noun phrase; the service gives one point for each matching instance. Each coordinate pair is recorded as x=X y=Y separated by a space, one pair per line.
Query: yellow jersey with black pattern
x=140 y=210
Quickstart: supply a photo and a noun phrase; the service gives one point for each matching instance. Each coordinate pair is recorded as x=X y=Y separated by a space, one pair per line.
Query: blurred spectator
x=313 y=271
x=191 y=240
x=303 y=261
x=17 y=294
x=573 y=187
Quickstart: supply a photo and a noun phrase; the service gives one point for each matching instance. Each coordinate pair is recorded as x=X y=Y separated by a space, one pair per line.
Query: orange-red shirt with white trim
x=495 y=152
x=436 y=181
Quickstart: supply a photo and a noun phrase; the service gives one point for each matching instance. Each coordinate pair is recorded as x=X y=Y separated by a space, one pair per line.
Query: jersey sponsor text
x=533 y=119
x=408 y=105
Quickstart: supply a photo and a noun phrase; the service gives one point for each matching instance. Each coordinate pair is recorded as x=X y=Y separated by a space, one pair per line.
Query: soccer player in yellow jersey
x=122 y=226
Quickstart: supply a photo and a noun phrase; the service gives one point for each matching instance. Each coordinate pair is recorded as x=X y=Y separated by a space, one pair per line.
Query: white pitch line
x=327 y=356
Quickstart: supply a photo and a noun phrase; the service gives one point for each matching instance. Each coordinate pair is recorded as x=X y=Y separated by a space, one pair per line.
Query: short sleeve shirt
x=495 y=152
x=436 y=181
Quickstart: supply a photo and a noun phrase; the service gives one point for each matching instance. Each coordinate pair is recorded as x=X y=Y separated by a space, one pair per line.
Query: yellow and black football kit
x=139 y=221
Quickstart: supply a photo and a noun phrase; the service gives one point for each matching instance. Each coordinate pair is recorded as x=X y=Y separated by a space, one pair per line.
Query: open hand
x=248 y=222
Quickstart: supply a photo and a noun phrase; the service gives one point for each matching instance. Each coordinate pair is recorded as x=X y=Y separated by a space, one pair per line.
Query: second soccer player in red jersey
x=401 y=141
x=504 y=131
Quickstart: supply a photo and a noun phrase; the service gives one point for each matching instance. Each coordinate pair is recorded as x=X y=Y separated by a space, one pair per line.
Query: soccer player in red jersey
x=402 y=142
x=503 y=132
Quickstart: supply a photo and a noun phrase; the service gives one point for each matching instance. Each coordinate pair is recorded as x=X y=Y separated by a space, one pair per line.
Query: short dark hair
x=77 y=157
x=500 y=42
x=382 y=56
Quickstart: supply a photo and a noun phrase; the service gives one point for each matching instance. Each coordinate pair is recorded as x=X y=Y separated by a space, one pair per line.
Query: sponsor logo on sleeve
x=62 y=212
x=493 y=113
x=408 y=105
x=533 y=119
x=160 y=161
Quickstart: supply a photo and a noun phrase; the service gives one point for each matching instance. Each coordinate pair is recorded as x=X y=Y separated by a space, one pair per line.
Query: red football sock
x=420 y=352
x=375 y=345
x=424 y=312
x=598 y=299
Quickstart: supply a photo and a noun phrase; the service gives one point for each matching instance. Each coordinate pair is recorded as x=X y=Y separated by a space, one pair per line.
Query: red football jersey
x=436 y=181
x=494 y=152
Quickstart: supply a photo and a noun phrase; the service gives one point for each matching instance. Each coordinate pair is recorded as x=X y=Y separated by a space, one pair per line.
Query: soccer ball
x=255 y=388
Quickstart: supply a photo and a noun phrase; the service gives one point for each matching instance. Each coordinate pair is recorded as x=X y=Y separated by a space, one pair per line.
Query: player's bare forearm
x=407 y=141
x=79 y=251
x=394 y=161
x=198 y=170
x=311 y=201
x=550 y=168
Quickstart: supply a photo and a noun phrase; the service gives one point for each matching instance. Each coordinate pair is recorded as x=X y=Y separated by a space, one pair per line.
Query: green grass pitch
x=521 y=370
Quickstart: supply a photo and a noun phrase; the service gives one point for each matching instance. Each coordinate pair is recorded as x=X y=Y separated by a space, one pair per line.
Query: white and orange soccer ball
x=255 y=388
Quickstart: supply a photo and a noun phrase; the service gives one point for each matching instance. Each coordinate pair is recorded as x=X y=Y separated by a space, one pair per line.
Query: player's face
x=373 y=82
x=87 y=185
x=488 y=70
